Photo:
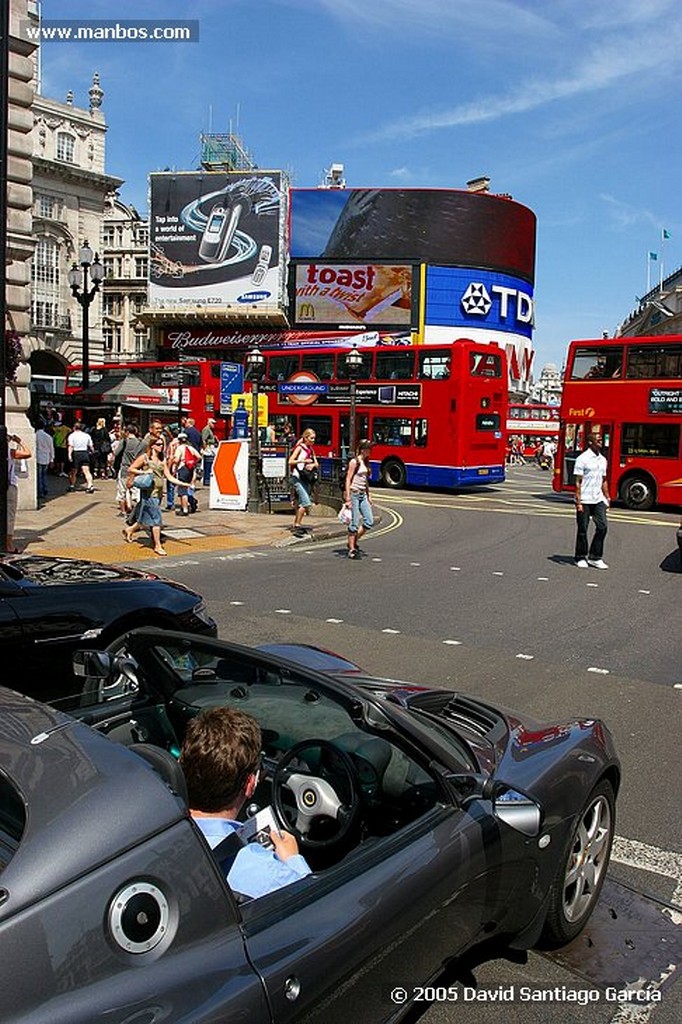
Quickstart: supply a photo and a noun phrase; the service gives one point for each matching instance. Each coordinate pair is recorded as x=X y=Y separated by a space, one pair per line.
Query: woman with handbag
x=356 y=494
x=304 y=469
x=148 y=472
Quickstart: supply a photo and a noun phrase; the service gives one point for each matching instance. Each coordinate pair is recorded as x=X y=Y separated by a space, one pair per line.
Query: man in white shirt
x=44 y=457
x=80 y=448
x=591 y=502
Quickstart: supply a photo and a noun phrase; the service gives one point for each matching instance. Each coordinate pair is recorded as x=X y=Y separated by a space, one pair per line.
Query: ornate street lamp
x=353 y=370
x=83 y=293
x=255 y=371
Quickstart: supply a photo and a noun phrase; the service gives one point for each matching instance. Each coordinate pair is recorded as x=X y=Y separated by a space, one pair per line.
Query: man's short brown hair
x=220 y=750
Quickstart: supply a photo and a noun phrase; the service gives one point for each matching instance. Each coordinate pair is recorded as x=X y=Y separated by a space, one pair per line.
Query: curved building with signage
x=438 y=264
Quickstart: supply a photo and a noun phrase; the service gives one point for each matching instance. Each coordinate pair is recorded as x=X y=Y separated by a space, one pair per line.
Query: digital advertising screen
x=330 y=295
x=437 y=226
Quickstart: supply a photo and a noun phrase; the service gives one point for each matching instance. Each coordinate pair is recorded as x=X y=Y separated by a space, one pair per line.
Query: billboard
x=331 y=295
x=462 y=297
x=216 y=239
x=438 y=226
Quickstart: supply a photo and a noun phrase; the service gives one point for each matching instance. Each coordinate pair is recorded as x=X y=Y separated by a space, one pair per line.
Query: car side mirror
x=515 y=809
x=92 y=664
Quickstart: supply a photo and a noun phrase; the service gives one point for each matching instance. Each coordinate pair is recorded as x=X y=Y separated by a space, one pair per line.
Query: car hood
x=46 y=571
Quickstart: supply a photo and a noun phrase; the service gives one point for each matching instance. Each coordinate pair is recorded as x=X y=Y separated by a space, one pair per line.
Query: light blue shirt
x=255 y=870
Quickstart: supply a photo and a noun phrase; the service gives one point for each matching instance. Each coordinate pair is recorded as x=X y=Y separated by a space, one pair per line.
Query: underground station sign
x=304 y=388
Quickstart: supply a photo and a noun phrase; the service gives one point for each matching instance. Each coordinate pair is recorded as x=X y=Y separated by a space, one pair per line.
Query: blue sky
x=569 y=106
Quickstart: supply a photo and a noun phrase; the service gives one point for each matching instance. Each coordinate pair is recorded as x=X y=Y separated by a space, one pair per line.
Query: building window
x=111 y=335
x=141 y=266
x=66 y=147
x=48 y=207
x=113 y=266
x=111 y=304
x=141 y=341
x=45 y=278
x=107 y=236
x=142 y=236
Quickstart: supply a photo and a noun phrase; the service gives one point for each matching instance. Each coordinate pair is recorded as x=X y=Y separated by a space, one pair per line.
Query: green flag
x=665 y=234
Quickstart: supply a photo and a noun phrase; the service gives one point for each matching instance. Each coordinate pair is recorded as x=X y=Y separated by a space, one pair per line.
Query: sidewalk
x=80 y=525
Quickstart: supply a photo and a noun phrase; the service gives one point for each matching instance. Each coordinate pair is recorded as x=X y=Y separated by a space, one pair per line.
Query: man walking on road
x=591 y=502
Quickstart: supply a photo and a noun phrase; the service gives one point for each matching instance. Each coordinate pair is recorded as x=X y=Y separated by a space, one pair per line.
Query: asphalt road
x=478 y=592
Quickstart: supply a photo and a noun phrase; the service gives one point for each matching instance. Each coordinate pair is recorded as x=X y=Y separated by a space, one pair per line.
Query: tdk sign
x=461 y=297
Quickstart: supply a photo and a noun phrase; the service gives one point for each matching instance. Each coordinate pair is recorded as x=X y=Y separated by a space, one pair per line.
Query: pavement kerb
x=81 y=525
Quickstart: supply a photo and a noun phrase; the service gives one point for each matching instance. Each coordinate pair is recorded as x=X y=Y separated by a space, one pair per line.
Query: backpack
x=190 y=458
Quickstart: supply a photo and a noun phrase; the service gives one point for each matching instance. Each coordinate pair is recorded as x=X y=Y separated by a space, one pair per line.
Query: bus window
x=394 y=365
x=651 y=440
x=321 y=365
x=434 y=364
x=650 y=362
x=282 y=367
x=420 y=433
x=365 y=371
x=322 y=425
x=485 y=364
x=597 y=363
x=392 y=430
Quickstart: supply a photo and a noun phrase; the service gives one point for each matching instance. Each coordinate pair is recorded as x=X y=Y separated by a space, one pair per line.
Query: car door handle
x=292 y=988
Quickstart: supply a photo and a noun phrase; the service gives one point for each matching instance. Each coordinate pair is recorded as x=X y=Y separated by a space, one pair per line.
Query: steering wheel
x=315 y=797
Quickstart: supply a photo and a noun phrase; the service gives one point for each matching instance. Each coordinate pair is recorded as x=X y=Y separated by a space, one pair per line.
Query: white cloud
x=607 y=64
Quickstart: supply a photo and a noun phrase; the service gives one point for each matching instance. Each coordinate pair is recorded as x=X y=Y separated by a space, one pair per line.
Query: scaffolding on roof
x=225 y=153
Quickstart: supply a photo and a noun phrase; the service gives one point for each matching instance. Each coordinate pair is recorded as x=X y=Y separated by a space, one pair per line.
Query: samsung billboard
x=216 y=239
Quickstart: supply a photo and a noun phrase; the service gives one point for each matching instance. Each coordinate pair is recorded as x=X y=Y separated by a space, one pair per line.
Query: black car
x=50 y=607
x=447 y=821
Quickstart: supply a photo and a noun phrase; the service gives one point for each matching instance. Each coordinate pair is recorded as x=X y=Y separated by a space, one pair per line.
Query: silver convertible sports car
x=431 y=822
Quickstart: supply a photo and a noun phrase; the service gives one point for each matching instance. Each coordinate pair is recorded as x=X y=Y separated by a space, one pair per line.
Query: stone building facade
x=125 y=255
x=70 y=190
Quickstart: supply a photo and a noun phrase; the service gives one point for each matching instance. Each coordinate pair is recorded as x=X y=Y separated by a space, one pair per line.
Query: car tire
x=581 y=872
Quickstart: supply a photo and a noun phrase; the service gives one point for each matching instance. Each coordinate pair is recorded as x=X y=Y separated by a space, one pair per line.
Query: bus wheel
x=637 y=492
x=393 y=473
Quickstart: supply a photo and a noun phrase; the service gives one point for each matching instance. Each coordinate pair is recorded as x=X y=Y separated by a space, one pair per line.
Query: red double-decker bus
x=630 y=390
x=435 y=415
x=530 y=424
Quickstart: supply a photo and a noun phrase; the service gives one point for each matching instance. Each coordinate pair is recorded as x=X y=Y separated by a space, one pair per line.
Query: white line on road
x=455 y=568
x=393 y=631
x=592 y=584
x=453 y=643
x=498 y=574
x=236 y=602
x=634 y=854
x=336 y=622
x=282 y=611
x=599 y=671
x=544 y=579
x=643 y=591
x=526 y=657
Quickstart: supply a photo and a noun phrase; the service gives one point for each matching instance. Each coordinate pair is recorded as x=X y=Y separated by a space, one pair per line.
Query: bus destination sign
x=666 y=400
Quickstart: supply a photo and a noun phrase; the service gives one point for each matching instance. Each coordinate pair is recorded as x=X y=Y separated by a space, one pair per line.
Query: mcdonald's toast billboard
x=376 y=294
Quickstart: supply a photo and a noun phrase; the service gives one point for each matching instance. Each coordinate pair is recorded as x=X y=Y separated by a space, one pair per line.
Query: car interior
x=369 y=785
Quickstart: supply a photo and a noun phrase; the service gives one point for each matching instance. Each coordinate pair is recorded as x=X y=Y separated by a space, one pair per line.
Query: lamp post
x=255 y=371
x=83 y=293
x=353 y=369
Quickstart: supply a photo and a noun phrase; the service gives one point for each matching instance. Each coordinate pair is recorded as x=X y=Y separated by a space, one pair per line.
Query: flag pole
x=648 y=272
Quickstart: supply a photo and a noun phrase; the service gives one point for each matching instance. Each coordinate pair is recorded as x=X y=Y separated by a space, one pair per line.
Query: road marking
x=599 y=671
x=643 y=591
x=337 y=622
x=592 y=584
x=526 y=657
x=395 y=632
x=455 y=568
x=282 y=611
x=453 y=643
x=544 y=579
x=634 y=854
x=415 y=563
x=498 y=574
x=236 y=602
x=376 y=559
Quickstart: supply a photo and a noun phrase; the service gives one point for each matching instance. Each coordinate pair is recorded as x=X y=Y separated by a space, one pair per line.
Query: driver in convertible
x=221 y=762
